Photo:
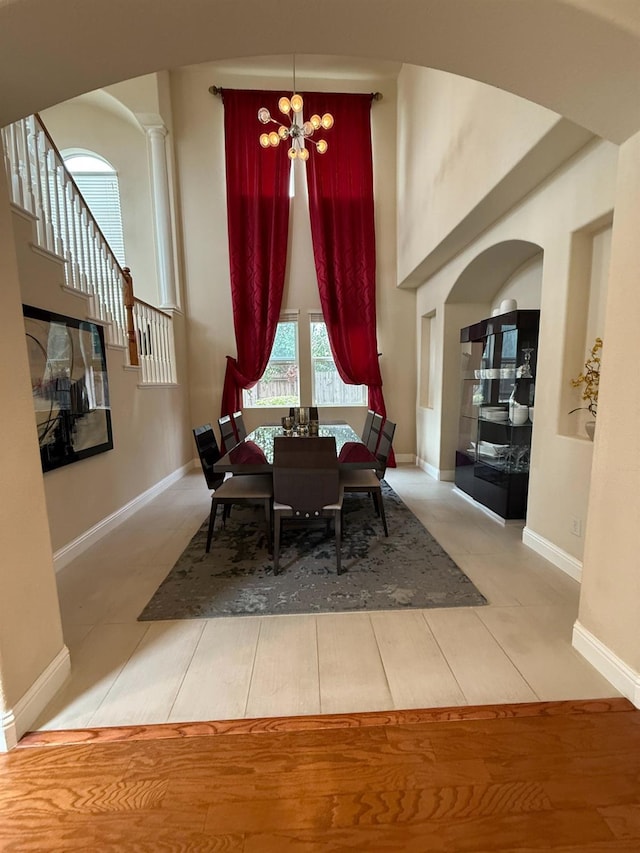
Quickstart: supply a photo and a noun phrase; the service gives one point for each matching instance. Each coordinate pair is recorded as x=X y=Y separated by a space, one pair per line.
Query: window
x=328 y=387
x=279 y=385
x=97 y=180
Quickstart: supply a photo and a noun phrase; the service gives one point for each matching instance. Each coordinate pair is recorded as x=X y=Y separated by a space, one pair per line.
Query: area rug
x=407 y=570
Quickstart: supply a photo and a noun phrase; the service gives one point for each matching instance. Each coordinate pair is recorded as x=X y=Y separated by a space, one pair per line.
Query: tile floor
x=124 y=672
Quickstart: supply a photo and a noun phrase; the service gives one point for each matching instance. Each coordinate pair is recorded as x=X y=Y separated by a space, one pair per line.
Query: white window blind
x=101 y=191
x=97 y=180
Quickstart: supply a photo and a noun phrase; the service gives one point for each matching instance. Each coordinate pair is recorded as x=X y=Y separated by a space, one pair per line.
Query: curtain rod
x=218 y=90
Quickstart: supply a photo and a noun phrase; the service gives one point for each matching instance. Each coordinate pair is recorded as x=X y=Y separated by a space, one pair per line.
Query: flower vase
x=590 y=428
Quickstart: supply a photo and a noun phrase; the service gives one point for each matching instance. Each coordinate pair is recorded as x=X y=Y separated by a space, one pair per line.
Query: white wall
x=525 y=286
x=30 y=629
x=457 y=138
x=610 y=601
x=581 y=193
x=151 y=430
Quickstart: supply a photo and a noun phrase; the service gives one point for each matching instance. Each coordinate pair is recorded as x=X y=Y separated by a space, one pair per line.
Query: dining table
x=254 y=454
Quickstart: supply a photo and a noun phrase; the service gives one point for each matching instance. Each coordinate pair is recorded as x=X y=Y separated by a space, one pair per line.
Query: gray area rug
x=407 y=570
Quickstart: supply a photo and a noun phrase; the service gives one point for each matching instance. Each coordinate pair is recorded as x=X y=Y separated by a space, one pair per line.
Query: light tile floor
x=124 y=672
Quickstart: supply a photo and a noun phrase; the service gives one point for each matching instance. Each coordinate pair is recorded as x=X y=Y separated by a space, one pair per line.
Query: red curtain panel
x=258 y=222
x=343 y=232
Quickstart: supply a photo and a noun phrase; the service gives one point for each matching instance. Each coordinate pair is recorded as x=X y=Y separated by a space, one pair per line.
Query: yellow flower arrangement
x=590 y=378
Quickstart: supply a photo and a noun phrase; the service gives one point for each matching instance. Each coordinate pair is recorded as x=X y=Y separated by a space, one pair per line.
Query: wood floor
x=561 y=777
x=124 y=672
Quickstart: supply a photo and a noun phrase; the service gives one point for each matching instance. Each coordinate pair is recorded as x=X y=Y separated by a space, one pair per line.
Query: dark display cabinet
x=498 y=368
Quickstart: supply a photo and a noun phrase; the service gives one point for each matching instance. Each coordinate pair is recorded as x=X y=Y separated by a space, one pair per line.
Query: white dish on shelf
x=494 y=451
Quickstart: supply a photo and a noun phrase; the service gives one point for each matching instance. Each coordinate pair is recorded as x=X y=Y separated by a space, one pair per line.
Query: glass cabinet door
x=493 y=451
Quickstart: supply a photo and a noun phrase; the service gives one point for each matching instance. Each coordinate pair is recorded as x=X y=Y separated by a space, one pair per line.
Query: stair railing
x=40 y=183
x=151 y=338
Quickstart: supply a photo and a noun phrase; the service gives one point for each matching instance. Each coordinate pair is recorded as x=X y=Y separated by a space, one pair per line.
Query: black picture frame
x=69 y=384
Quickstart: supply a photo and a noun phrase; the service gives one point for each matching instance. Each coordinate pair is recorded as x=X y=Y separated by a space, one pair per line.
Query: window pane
x=279 y=384
x=328 y=387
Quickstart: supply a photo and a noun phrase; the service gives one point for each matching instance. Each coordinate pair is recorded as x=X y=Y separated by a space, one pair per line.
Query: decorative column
x=156 y=133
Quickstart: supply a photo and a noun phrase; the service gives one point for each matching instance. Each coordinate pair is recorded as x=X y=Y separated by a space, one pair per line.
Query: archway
x=537 y=51
x=472 y=296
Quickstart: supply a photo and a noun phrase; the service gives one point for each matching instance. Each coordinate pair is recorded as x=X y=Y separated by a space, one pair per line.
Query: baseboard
x=437 y=473
x=552 y=553
x=18 y=720
x=405 y=458
x=609 y=665
x=73 y=549
x=485 y=509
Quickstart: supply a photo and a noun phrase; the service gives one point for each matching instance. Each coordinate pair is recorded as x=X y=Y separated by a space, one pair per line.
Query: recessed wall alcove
x=509 y=267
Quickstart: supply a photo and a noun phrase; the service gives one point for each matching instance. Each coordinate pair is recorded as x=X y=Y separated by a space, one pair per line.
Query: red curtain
x=343 y=233
x=258 y=223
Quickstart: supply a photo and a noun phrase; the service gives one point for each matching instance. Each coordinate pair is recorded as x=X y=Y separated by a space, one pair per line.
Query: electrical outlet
x=576 y=526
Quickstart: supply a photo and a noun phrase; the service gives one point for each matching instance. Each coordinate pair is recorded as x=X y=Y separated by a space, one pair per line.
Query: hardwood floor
x=125 y=672
x=561 y=777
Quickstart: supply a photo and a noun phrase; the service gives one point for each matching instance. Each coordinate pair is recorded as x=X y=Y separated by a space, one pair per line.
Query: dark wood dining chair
x=240 y=428
x=359 y=451
x=306 y=487
x=227 y=433
x=368 y=479
x=209 y=453
x=248 y=489
x=365 y=480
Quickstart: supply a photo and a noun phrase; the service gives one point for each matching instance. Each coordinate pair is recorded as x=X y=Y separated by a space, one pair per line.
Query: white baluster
x=13 y=168
x=46 y=198
x=93 y=268
x=166 y=364
x=67 y=214
x=29 y=135
x=57 y=231
x=37 y=186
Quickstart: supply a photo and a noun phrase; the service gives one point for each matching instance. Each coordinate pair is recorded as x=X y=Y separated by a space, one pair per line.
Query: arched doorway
x=504 y=277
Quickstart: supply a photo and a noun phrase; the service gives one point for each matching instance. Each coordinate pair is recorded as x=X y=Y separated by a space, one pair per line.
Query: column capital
x=152 y=124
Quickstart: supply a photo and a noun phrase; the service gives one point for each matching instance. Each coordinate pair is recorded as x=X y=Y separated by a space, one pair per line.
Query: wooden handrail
x=148 y=305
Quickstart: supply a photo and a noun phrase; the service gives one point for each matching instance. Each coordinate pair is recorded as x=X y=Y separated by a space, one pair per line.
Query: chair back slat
x=366 y=429
x=374 y=434
x=209 y=453
x=305 y=473
x=238 y=422
x=227 y=433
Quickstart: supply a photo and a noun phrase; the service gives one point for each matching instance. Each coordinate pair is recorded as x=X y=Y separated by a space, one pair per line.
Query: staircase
x=42 y=188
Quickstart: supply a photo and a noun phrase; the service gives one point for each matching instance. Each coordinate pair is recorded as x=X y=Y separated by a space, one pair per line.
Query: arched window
x=98 y=182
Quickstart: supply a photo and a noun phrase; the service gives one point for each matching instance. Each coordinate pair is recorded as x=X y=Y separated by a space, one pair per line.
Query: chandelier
x=297 y=132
